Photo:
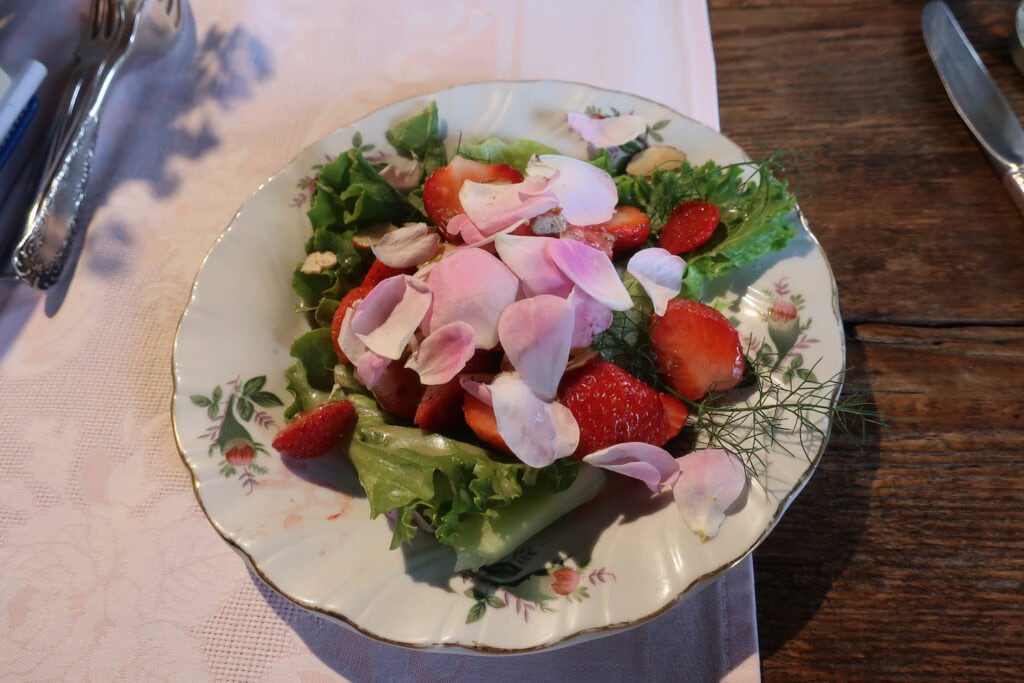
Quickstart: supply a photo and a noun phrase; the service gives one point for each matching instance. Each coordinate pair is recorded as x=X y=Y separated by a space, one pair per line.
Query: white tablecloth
x=109 y=568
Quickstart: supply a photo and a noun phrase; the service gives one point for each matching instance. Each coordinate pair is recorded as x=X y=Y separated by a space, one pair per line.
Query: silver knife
x=975 y=96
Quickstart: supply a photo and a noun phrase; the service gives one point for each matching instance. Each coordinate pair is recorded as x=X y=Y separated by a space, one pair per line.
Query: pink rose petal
x=473 y=286
x=591 y=271
x=709 y=482
x=477 y=390
x=351 y=345
x=652 y=465
x=402 y=174
x=611 y=131
x=527 y=258
x=461 y=225
x=586 y=193
x=389 y=315
x=370 y=368
x=487 y=242
x=537 y=432
x=590 y=318
x=659 y=273
x=535 y=334
x=407 y=246
x=493 y=206
x=444 y=353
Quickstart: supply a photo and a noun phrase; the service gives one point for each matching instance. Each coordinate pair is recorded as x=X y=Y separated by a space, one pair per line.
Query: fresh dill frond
x=771 y=416
x=627 y=341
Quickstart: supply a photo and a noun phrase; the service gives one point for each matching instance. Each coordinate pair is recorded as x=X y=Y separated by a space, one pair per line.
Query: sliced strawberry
x=594 y=236
x=480 y=418
x=628 y=228
x=440 y=409
x=611 y=406
x=441 y=190
x=399 y=391
x=696 y=349
x=689 y=226
x=313 y=432
x=675 y=415
x=381 y=271
x=348 y=301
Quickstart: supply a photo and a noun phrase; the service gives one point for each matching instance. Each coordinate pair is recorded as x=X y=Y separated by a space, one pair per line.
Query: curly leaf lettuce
x=756 y=214
x=496 y=151
x=480 y=506
x=350 y=193
x=419 y=137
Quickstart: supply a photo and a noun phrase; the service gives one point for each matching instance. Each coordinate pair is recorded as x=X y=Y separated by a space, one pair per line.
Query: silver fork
x=121 y=32
x=106 y=17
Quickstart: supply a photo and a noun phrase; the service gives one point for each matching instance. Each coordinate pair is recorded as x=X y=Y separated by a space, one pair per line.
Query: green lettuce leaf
x=480 y=506
x=496 y=151
x=305 y=396
x=756 y=214
x=316 y=353
x=419 y=137
x=350 y=194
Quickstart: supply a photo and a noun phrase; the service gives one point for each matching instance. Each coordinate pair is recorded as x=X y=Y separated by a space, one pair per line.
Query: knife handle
x=1013 y=179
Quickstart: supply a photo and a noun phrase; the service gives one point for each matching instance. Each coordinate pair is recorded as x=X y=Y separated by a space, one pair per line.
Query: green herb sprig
x=766 y=414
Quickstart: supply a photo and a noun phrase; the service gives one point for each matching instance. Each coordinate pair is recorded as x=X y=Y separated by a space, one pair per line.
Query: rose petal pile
x=538 y=297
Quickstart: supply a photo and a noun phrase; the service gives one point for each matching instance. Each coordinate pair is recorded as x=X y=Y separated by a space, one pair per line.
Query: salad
x=495 y=330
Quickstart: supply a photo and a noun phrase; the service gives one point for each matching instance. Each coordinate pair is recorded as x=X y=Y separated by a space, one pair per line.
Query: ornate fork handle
x=53 y=227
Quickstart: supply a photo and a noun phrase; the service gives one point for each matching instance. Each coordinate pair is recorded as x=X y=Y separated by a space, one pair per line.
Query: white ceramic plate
x=306 y=529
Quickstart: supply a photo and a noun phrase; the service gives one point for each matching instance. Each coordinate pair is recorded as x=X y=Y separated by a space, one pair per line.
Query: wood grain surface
x=904 y=556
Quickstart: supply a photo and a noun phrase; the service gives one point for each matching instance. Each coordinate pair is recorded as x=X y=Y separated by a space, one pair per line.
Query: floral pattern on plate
x=228 y=436
x=308 y=532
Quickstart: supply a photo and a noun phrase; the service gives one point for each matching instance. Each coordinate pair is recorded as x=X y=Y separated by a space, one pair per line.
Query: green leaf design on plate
x=253 y=385
x=266 y=399
x=245 y=409
x=476 y=612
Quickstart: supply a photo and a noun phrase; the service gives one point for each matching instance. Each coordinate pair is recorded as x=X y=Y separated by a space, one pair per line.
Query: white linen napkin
x=110 y=568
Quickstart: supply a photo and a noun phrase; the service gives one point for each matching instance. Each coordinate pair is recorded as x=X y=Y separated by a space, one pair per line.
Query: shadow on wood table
x=830 y=514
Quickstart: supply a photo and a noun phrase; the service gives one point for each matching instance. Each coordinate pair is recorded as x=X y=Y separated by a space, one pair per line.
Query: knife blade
x=975 y=96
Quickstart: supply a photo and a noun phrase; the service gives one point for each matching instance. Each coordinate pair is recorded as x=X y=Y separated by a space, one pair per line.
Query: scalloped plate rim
x=478 y=648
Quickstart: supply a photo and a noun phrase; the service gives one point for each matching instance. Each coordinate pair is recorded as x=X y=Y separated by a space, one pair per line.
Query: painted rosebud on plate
x=782 y=311
x=239 y=452
x=783 y=326
x=565 y=580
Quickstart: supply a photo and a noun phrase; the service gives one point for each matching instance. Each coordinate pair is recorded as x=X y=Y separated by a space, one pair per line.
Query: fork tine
x=113 y=11
x=174 y=9
x=97 y=18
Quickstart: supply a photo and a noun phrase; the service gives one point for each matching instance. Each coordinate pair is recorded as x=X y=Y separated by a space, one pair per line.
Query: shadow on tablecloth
x=155 y=117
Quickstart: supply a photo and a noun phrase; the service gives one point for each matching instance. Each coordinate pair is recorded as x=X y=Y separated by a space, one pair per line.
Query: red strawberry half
x=628 y=228
x=348 y=301
x=611 y=406
x=399 y=391
x=441 y=409
x=313 y=432
x=381 y=271
x=689 y=226
x=480 y=418
x=675 y=415
x=441 y=190
x=696 y=349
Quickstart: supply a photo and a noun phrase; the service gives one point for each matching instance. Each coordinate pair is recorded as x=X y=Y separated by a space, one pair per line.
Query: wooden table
x=904 y=556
